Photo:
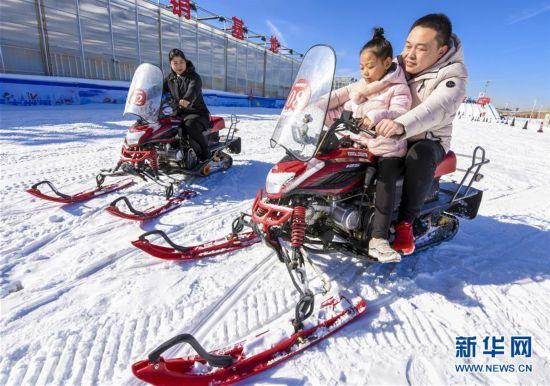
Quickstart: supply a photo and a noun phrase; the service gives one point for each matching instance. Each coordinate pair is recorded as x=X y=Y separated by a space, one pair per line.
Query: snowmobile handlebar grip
x=51 y=186
x=213 y=360
x=165 y=237
x=127 y=202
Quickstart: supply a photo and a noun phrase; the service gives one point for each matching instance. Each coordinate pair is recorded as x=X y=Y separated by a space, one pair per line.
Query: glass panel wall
x=63 y=38
x=115 y=43
x=189 y=41
x=170 y=37
x=218 y=62
x=96 y=37
x=149 y=33
x=123 y=15
x=204 y=67
x=231 y=65
x=21 y=47
x=241 y=69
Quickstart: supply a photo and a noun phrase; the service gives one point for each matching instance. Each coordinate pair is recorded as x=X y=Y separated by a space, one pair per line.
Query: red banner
x=176 y=10
x=238 y=28
x=483 y=100
x=186 y=8
x=180 y=7
x=274 y=44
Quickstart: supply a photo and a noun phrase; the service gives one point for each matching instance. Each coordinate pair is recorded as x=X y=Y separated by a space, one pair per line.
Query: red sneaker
x=404 y=239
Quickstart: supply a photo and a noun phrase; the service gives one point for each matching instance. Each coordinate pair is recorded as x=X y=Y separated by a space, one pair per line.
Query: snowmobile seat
x=216 y=123
x=447 y=165
x=213 y=133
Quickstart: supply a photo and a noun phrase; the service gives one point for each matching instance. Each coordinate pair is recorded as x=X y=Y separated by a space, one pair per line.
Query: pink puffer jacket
x=388 y=98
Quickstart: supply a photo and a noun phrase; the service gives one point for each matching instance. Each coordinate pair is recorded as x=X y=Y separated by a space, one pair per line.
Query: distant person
x=382 y=93
x=185 y=87
x=434 y=63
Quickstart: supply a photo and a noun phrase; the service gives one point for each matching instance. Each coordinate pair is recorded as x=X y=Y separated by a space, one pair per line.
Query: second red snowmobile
x=155 y=149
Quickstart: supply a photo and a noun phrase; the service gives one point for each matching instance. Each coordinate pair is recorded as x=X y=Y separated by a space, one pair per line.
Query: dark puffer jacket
x=189 y=88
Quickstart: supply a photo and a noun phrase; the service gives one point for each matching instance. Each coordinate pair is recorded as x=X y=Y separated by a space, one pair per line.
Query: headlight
x=275 y=181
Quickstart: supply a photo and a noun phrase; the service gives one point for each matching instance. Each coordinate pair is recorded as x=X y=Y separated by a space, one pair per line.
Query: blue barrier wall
x=41 y=90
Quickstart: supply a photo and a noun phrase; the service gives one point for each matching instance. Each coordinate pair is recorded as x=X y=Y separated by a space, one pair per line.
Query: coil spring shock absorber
x=153 y=160
x=298 y=226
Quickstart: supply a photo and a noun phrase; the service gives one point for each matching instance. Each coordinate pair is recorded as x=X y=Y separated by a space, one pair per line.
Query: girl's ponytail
x=379 y=45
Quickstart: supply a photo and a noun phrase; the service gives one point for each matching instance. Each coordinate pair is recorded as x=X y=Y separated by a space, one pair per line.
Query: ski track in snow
x=92 y=304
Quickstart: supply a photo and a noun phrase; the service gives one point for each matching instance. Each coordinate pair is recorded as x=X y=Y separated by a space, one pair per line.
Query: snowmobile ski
x=149 y=213
x=244 y=359
x=227 y=244
x=78 y=197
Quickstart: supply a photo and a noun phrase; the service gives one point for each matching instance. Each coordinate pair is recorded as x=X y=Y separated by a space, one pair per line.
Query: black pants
x=194 y=126
x=418 y=168
x=389 y=170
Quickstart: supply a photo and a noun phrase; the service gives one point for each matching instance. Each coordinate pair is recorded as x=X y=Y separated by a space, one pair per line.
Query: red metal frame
x=269 y=214
x=137 y=156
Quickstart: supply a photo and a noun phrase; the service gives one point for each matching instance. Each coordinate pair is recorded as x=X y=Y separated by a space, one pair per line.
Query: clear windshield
x=145 y=93
x=301 y=121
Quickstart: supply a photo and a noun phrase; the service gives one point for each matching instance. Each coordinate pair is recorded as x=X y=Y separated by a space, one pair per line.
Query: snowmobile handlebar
x=211 y=359
x=353 y=125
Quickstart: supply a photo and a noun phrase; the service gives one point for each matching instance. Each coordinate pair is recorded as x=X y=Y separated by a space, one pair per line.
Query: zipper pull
x=421 y=86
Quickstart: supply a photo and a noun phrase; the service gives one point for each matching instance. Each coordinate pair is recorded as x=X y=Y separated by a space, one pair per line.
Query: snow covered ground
x=79 y=304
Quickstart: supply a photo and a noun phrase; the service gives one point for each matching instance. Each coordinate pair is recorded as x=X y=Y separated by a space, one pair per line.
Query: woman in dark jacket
x=185 y=87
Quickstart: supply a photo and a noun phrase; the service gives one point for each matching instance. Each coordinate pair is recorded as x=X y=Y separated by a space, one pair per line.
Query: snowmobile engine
x=345 y=216
x=174 y=155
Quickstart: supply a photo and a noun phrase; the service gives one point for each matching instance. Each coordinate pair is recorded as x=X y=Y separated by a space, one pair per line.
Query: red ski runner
x=149 y=213
x=78 y=197
x=246 y=358
x=180 y=253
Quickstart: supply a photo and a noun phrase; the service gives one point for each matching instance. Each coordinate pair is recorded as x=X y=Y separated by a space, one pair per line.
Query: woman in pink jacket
x=383 y=93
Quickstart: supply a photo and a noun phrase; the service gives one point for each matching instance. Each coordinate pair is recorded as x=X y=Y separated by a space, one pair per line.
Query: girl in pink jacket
x=381 y=93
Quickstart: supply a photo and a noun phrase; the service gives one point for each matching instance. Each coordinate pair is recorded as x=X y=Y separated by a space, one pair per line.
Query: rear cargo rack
x=461 y=191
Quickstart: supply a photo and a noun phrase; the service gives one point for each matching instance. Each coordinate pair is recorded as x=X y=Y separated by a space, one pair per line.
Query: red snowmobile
x=154 y=149
x=319 y=198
